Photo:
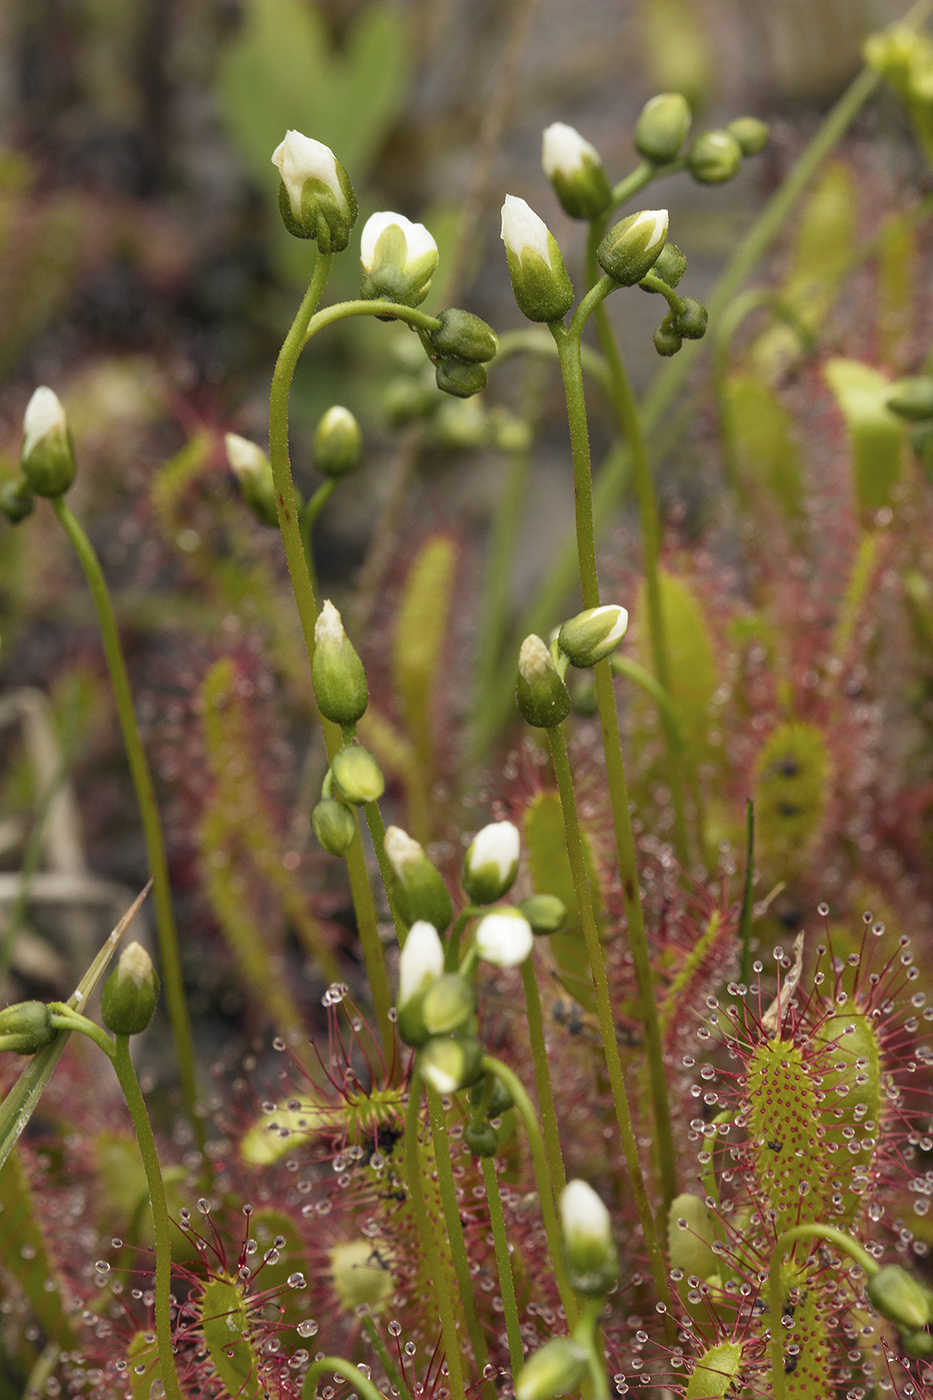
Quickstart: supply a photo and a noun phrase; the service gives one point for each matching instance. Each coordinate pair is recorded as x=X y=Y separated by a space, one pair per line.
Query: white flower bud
x=316 y=197
x=253 y=471
x=420 y=892
x=540 y=282
x=593 y=634
x=504 y=938
x=631 y=248
x=575 y=170
x=590 y=1252
x=47 y=458
x=398 y=259
x=491 y=862
x=421 y=962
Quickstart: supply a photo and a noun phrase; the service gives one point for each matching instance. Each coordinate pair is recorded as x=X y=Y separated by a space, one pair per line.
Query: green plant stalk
x=776 y=1291
x=586 y=1333
x=306 y=602
x=148 y=810
x=568 y=347
x=748 y=902
x=306 y=521
x=452 y=955
x=630 y=426
x=358 y=1382
x=454 y=1229
x=558 y=748
x=525 y=1109
x=377 y=834
x=539 y=1060
x=163 y=1239
x=438 y=1273
x=393 y=1374
x=389 y=310
x=504 y=1265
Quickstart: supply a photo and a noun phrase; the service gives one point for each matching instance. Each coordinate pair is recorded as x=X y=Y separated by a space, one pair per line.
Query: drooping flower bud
x=460 y=378
x=16 y=500
x=690 y=321
x=545 y=912
x=451 y=1063
x=316 y=198
x=913 y=398
x=481 y=1138
x=590 y=1255
x=448 y=1004
x=129 y=998
x=253 y=471
x=631 y=248
x=337 y=672
x=25 y=1027
x=714 y=157
x=48 y=461
x=555 y=1369
x=593 y=634
x=662 y=126
x=898 y=1297
x=543 y=699
x=751 y=134
x=334 y=825
x=361 y=1276
x=398 y=259
x=419 y=891
x=356 y=775
x=539 y=278
x=338 y=443
x=500 y=1098
x=421 y=964
x=464 y=337
x=666 y=339
x=575 y=169
x=504 y=937
x=670 y=265
x=491 y=863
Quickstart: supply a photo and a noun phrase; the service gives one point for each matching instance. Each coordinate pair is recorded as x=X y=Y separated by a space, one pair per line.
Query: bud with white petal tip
x=590 y=1255
x=449 y=1064
x=129 y=998
x=576 y=171
x=545 y=912
x=543 y=699
x=420 y=965
x=316 y=198
x=631 y=247
x=398 y=259
x=25 y=1027
x=419 y=891
x=356 y=776
x=662 y=125
x=337 y=672
x=48 y=460
x=539 y=278
x=253 y=471
x=338 y=443
x=555 y=1369
x=593 y=634
x=334 y=825
x=504 y=937
x=714 y=157
x=491 y=863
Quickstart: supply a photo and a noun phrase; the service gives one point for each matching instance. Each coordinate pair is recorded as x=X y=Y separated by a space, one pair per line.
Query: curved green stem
x=525 y=1109
x=148 y=809
x=452 y=956
x=539 y=343
x=306 y=521
x=504 y=1265
x=437 y=1271
x=163 y=1239
x=558 y=747
x=776 y=1290
x=542 y=1070
x=342 y=310
x=64 y=1018
x=358 y=1382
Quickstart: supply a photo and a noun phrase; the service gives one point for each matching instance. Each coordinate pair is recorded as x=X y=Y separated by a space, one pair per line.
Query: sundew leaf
x=692 y=660
x=765 y=456
x=225 y=1324
x=142 y=1356
x=790 y=793
x=875 y=433
x=25 y=1255
x=715 y=1371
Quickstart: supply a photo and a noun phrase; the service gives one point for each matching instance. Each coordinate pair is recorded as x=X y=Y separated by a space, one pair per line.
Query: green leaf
x=225 y=1323
x=876 y=434
x=25 y=1254
x=692 y=660
x=765 y=455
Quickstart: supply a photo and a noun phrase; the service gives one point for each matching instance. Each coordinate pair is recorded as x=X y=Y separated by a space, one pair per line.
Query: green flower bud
x=491 y=863
x=590 y=1255
x=398 y=259
x=670 y=265
x=25 y=1027
x=420 y=965
x=361 y=1278
x=404 y=399
x=481 y=1138
x=48 y=461
x=464 y=336
x=690 y=1235
x=545 y=912
x=631 y=248
x=504 y=937
x=337 y=672
x=555 y=1369
x=129 y=997
x=253 y=471
x=576 y=171
x=751 y=134
x=543 y=699
x=662 y=127
x=334 y=825
x=666 y=339
x=16 y=500
x=714 y=157
x=338 y=443
x=420 y=891
x=500 y=1100
x=356 y=775
x=316 y=199
x=690 y=321
x=593 y=635
x=898 y=1297
x=917 y=1343
x=510 y=434
x=448 y=1004
x=449 y=1064
x=459 y=378
x=460 y=425
x=539 y=278
x=913 y=398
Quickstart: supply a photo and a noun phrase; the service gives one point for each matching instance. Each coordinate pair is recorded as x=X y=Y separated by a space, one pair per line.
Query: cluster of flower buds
x=461 y=346
x=583 y=641
x=686 y=317
x=25 y=1027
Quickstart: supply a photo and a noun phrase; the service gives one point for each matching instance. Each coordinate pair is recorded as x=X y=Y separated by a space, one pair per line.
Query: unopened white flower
x=318 y=200
x=421 y=961
x=300 y=158
x=44 y=416
x=397 y=258
x=419 y=891
x=245 y=457
x=589 y=1249
x=564 y=150
x=491 y=862
x=329 y=626
x=418 y=241
x=402 y=851
x=539 y=278
x=630 y=248
x=593 y=634
x=47 y=456
x=575 y=169
x=523 y=230
x=504 y=938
